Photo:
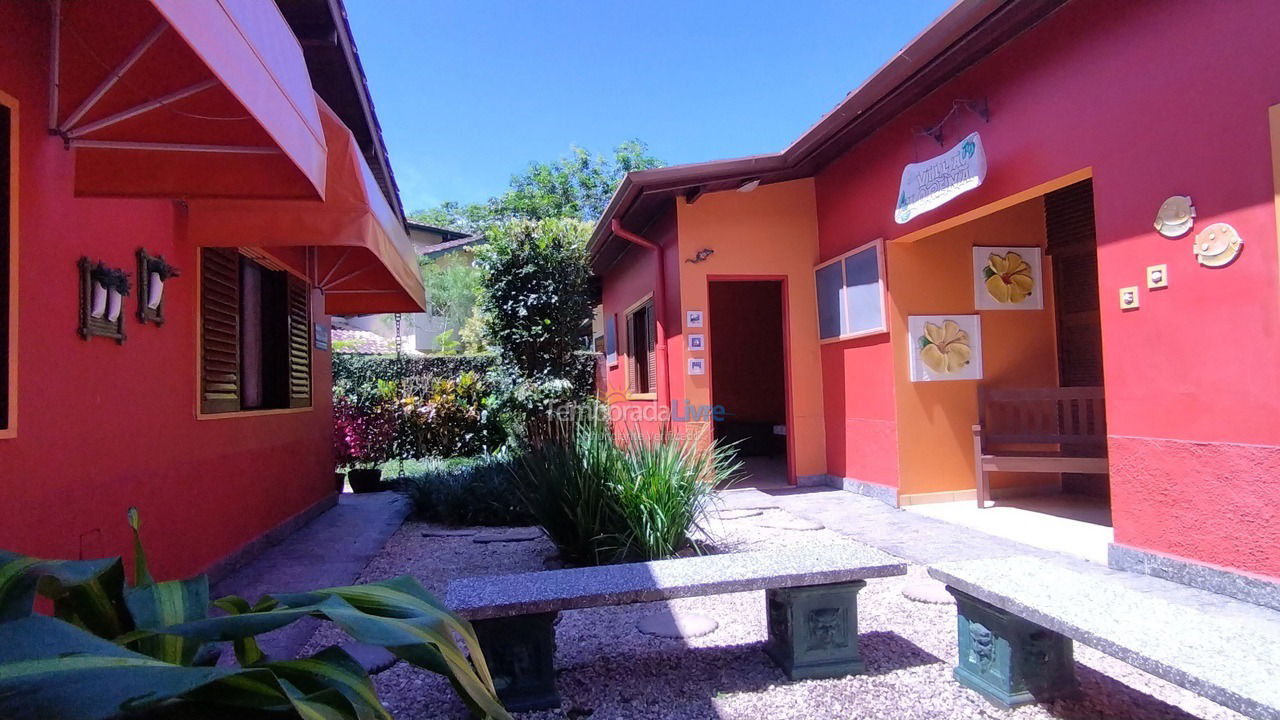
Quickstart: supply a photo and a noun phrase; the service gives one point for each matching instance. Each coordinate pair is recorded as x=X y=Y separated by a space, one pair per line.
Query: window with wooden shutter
x=219 y=330
x=642 y=373
x=255 y=335
x=299 y=299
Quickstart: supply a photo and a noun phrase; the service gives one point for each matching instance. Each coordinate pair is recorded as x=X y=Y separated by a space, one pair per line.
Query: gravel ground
x=610 y=671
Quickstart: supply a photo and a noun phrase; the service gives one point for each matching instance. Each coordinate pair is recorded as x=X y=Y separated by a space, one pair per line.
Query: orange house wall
x=932 y=276
x=1192 y=392
x=101 y=426
x=771 y=231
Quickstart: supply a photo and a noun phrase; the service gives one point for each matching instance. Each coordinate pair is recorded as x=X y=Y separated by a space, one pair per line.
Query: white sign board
x=932 y=183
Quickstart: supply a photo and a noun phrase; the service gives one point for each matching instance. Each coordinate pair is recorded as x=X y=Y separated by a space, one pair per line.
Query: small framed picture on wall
x=697 y=366
x=693 y=318
x=697 y=341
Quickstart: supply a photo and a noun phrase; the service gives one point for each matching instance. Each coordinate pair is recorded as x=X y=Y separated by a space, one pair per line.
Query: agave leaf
x=320 y=706
x=141 y=575
x=50 y=668
x=173 y=602
x=85 y=592
x=334 y=669
x=247 y=649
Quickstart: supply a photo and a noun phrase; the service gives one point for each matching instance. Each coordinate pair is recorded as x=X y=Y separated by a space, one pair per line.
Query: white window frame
x=878 y=246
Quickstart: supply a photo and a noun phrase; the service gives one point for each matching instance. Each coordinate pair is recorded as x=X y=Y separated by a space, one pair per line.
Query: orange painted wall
x=933 y=276
x=771 y=231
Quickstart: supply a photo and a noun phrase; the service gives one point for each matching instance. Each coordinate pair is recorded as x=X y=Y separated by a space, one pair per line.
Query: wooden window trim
x=10 y=426
x=200 y=414
x=625 y=342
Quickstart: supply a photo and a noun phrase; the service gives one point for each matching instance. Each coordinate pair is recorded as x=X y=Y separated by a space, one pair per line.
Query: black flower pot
x=339 y=479
x=365 y=480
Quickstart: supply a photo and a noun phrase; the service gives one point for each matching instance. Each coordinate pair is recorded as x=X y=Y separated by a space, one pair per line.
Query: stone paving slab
x=482 y=598
x=330 y=550
x=1156 y=629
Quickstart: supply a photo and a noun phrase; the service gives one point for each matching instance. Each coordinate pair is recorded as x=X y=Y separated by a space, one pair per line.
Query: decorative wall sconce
x=102 y=293
x=700 y=256
x=1175 y=216
x=1218 y=245
x=153 y=272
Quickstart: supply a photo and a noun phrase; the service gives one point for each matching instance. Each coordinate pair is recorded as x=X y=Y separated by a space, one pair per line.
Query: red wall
x=103 y=426
x=1127 y=89
x=625 y=283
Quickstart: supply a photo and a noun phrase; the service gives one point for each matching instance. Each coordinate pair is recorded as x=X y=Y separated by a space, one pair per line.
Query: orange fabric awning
x=362 y=258
x=185 y=98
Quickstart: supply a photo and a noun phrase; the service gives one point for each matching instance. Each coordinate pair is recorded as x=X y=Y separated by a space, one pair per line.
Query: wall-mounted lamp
x=749 y=185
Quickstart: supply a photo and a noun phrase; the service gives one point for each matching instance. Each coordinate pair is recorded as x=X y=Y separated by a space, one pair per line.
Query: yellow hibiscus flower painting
x=1008 y=278
x=945 y=348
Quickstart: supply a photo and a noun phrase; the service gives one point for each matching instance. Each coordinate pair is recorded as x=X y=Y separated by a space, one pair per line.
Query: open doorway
x=748 y=375
x=1036 y=456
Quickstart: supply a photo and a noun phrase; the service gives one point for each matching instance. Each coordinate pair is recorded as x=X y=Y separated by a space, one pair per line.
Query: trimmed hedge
x=352 y=370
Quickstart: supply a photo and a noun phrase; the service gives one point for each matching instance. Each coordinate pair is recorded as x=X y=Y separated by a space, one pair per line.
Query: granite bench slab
x=1231 y=661
x=483 y=598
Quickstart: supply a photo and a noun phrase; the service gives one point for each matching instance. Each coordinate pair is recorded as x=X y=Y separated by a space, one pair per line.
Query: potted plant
x=158 y=271
x=112 y=283
x=364 y=438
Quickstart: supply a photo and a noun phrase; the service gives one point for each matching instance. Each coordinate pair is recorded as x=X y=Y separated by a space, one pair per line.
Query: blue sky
x=470 y=91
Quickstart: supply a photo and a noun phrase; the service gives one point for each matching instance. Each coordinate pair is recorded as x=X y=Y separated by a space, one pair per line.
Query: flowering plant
x=364 y=435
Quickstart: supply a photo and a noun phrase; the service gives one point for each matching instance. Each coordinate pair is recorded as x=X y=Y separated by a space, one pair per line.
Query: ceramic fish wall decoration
x=1176 y=216
x=1217 y=245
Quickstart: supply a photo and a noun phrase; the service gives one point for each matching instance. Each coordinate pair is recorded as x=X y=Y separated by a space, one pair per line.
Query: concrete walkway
x=330 y=550
x=925 y=541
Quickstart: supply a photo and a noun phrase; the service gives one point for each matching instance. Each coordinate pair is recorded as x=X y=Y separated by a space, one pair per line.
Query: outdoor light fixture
x=749 y=185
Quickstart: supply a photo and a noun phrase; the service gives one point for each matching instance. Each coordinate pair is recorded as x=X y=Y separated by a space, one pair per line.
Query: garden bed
x=611 y=671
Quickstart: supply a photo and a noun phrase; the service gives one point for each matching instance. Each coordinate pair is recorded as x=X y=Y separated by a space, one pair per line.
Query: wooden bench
x=1018 y=616
x=811 y=601
x=1071 y=421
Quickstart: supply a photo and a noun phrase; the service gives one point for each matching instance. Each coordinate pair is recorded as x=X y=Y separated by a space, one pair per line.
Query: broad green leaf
x=85 y=592
x=173 y=602
x=52 y=669
x=315 y=707
x=247 y=650
x=334 y=669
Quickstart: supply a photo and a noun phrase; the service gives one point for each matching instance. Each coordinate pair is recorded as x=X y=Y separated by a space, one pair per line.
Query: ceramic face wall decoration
x=1007 y=278
x=1217 y=245
x=945 y=347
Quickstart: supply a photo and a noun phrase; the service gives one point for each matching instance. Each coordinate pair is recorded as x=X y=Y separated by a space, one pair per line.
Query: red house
x=233 y=141
x=1035 y=252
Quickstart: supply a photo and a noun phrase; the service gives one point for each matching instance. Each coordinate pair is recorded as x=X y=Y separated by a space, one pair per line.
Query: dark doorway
x=748 y=373
x=1073 y=249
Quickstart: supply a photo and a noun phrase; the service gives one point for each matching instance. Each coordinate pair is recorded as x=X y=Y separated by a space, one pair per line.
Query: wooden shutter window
x=299 y=343
x=651 y=337
x=219 y=330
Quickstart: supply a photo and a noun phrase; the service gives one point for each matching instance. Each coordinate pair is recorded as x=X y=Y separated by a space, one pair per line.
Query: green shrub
x=467 y=491
x=603 y=501
x=116 y=649
x=451 y=417
x=354 y=372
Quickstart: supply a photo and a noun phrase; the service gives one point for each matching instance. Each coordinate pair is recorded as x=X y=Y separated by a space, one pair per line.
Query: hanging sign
x=322 y=336
x=929 y=184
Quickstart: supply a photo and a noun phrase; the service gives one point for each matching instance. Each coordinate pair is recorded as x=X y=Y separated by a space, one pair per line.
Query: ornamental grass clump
x=604 y=499
x=467 y=491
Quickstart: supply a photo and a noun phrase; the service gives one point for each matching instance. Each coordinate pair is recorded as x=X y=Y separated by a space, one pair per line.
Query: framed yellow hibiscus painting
x=945 y=347
x=1007 y=278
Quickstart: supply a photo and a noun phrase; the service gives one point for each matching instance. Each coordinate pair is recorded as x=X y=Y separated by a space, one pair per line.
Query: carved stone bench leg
x=521 y=654
x=1008 y=660
x=813 y=630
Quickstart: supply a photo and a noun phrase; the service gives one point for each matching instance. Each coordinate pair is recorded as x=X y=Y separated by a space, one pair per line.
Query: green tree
x=577 y=185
